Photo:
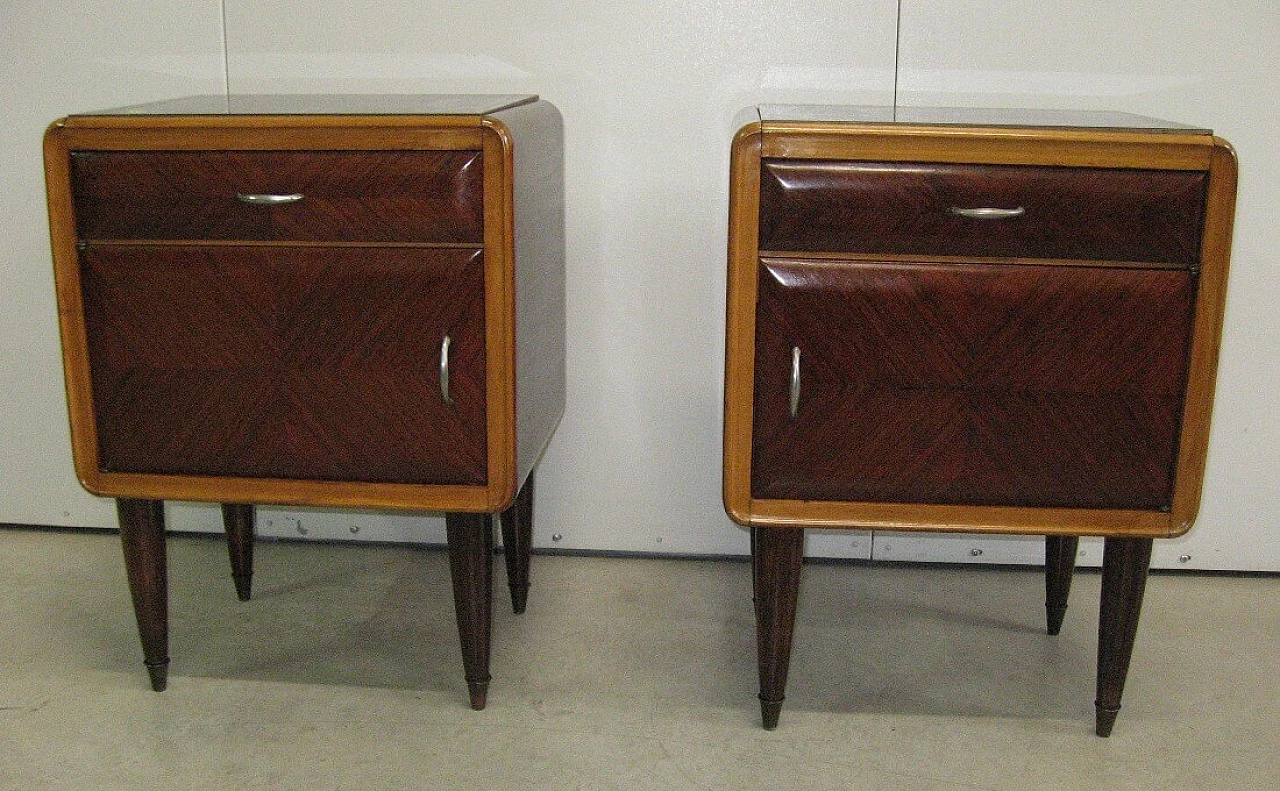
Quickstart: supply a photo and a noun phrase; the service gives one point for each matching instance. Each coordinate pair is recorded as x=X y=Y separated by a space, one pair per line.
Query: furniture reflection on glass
x=971 y=321
x=313 y=301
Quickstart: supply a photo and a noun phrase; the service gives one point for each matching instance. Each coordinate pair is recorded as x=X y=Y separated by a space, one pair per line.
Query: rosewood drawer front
x=969 y=383
x=988 y=211
x=270 y=362
x=327 y=196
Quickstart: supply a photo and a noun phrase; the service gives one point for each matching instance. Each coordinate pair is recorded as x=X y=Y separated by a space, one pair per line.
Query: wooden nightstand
x=988 y=321
x=352 y=301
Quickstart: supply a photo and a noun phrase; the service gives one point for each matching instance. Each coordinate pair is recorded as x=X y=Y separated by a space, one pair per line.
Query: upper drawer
x=1095 y=214
x=355 y=196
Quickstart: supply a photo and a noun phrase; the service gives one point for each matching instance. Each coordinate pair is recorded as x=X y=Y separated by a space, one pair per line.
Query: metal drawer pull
x=444 y=370
x=988 y=213
x=795 y=380
x=268 y=199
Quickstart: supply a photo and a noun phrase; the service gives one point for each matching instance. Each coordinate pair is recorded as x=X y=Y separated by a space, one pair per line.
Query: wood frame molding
x=985 y=145
x=106 y=132
x=975 y=145
x=740 y=321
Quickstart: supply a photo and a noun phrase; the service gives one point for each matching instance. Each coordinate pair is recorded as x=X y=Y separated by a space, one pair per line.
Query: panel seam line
x=226 y=60
x=897 y=51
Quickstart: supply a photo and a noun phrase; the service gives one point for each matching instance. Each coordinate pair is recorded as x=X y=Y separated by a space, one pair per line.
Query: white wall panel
x=1210 y=64
x=648 y=92
x=57 y=58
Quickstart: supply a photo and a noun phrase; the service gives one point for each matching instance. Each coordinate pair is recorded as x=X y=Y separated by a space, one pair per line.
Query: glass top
x=967 y=116
x=326 y=104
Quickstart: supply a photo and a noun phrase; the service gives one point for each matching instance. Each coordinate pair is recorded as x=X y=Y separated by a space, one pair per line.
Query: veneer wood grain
x=1058 y=387
x=363 y=196
x=1092 y=214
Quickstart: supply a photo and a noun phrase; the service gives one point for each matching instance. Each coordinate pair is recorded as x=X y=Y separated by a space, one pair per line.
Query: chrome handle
x=444 y=370
x=795 y=380
x=986 y=213
x=267 y=199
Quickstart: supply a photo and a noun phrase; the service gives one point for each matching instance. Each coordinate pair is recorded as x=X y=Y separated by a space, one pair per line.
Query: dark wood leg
x=1124 y=580
x=753 y=563
x=142 y=535
x=776 y=559
x=1059 y=565
x=470 y=539
x=517 y=541
x=238 y=521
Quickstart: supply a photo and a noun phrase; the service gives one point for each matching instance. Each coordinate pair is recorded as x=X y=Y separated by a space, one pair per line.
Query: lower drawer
x=969 y=384
x=293 y=363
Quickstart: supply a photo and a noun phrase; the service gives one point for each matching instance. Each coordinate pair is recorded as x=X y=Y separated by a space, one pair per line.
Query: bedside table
x=989 y=321
x=349 y=301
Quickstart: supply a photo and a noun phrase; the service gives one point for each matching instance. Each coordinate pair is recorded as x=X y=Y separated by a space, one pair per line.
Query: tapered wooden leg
x=777 y=556
x=238 y=521
x=1059 y=565
x=142 y=535
x=517 y=541
x=470 y=539
x=754 y=563
x=1124 y=580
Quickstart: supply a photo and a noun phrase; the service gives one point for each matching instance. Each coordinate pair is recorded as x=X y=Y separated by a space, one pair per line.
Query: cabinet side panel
x=537 y=133
x=1207 y=336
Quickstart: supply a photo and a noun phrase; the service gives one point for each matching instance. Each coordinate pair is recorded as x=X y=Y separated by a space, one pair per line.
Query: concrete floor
x=345 y=673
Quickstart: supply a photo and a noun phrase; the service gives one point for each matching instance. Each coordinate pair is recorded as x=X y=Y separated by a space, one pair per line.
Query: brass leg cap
x=479 y=694
x=1056 y=616
x=769 y=712
x=159 y=673
x=244 y=586
x=1106 y=719
x=519 y=598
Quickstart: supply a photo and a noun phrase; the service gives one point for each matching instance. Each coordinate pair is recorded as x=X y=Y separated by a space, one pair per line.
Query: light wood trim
x=1206 y=338
x=273 y=243
x=293 y=136
x=902 y=258
x=147 y=123
x=276 y=491
x=985 y=145
x=956 y=518
x=499 y=300
x=66 y=267
x=740 y=320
